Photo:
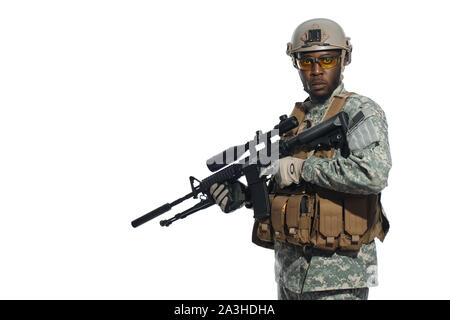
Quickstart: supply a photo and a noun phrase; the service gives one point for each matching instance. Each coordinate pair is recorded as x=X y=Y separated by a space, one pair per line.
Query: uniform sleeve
x=366 y=170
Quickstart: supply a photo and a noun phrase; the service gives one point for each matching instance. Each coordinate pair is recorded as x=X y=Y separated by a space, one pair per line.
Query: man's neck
x=317 y=100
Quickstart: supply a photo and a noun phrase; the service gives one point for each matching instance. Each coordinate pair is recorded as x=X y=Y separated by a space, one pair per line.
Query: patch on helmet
x=315 y=34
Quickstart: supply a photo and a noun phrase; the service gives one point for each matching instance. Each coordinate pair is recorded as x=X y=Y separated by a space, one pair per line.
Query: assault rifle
x=327 y=134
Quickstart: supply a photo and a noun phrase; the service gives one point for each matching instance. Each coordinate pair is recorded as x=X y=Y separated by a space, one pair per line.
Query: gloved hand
x=228 y=196
x=286 y=171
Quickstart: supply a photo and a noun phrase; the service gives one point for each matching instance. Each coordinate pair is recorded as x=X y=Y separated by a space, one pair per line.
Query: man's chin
x=320 y=95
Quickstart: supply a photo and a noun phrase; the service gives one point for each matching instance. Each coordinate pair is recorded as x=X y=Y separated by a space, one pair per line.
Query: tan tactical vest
x=322 y=218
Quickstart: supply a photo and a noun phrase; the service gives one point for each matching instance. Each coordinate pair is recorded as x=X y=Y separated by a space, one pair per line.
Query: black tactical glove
x=228 y=196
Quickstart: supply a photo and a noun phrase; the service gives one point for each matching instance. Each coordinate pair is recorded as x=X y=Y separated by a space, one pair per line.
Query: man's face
x=320 y=82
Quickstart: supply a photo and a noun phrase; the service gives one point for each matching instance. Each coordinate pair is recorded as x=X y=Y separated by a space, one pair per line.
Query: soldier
x=325 y=208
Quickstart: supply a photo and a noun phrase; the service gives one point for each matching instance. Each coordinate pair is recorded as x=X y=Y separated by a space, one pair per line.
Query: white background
x=107 y=107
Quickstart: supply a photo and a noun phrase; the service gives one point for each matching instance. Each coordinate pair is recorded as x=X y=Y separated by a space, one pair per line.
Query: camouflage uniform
x=304 y=273
x=344 y=294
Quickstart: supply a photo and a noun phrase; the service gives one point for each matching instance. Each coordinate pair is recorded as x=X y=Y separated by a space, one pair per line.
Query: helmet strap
x=343 y=56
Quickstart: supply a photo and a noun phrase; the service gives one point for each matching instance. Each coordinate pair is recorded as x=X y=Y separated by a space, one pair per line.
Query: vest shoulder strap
x=299 y=113
x=336 y=105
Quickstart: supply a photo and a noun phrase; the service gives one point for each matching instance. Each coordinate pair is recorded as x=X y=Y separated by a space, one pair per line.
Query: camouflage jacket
x=365 y=171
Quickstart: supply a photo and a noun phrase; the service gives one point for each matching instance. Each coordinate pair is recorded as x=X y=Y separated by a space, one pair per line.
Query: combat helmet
x=318 y=35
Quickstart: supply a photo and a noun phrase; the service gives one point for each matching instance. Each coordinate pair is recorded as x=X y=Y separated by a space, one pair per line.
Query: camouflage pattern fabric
x=365 y=171
x=301 y=270
x=345 y=294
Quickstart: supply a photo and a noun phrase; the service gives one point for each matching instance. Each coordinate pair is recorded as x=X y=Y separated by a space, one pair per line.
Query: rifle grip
x=258 y=192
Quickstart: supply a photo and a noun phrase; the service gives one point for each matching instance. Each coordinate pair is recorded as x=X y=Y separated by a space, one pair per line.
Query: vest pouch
x=298 y=219
x=264 y=230
x=330 y=224
x=278 y=216
x=356 y=211
x=293 y=219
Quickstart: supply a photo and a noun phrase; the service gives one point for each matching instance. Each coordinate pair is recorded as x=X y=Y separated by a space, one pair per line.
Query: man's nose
x=316 y=69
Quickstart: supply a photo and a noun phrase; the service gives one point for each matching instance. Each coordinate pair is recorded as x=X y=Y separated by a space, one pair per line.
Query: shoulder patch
x=362 y=131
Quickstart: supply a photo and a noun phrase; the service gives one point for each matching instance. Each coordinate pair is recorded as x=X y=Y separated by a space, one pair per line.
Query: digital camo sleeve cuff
x=308 y=168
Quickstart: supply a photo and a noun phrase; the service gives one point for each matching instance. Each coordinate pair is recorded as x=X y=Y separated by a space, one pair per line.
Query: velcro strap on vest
x=292 y=214
x=330 y=241
x=304 y=222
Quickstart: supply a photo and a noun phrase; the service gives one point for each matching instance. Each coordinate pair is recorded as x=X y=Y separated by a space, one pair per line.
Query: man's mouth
x=318 y=85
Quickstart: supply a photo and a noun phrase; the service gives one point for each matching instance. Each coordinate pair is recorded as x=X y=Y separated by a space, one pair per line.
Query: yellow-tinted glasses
x=306 y=62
